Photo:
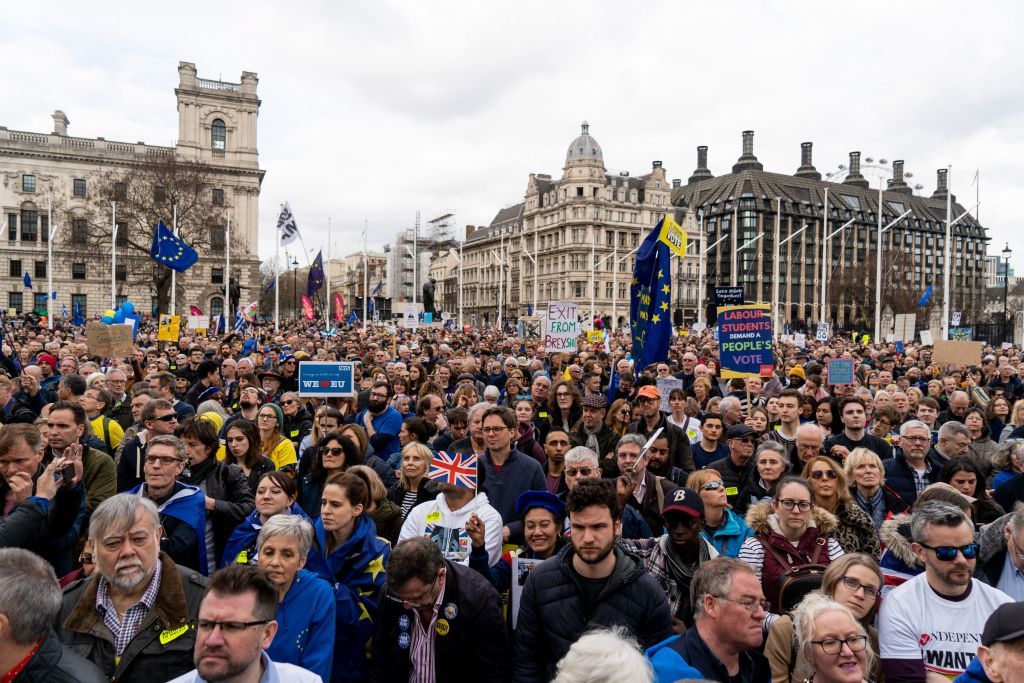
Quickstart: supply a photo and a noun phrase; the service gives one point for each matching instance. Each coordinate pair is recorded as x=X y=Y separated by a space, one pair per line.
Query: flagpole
x=174 y=231
x=366 y=275
x=227 y=279
x=49 y=266
x=327 y=278
x=460 y=286
x=277 y=281
x=113 y=254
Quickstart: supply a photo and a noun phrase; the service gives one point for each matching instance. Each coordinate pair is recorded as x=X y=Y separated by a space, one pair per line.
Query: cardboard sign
x=109 y=341
x=745 y=341
x=840 y=371
x=665 y=386
x=957 y=352
x=521 y=568
x=674 y=236
x=561 y=327
x=198 y=322
x=170 y=328
x=800 y=339
x=326 y=379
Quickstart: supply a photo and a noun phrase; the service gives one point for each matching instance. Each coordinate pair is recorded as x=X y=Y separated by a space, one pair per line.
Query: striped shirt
x=421 y=649
x=125 y=630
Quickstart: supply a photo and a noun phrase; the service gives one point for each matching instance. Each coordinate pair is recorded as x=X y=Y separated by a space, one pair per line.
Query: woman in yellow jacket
x=273 y=444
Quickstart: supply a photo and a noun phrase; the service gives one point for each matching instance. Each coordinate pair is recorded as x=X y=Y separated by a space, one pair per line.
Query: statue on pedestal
x=428 y=296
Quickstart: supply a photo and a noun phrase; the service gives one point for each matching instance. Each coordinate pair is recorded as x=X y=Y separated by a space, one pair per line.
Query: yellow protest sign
x=674 y=236
x=595 y=336
x=170 y=328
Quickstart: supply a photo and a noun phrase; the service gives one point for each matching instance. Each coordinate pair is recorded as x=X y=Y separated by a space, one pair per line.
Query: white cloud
x=374 y=110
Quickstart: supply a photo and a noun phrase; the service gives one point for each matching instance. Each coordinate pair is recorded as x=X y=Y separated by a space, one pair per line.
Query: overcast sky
x=374 y=110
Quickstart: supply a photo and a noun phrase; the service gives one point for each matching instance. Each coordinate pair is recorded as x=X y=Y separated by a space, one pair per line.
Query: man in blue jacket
x=509 y=472
x=381 y=422
x=723 y=644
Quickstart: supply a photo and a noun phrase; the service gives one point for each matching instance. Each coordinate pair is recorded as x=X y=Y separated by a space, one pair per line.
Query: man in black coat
x=652 y=419
x=428 y=597
x=914 y=467
x=589 y=583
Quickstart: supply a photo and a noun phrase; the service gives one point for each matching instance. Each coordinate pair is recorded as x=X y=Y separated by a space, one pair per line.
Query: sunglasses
x=712 y=486
x=333 y=451
x=947 y=553
x=578 y=471
x=820 y=474
x=170 y=417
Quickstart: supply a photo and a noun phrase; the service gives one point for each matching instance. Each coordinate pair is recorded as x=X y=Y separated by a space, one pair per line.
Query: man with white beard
x=133 y=618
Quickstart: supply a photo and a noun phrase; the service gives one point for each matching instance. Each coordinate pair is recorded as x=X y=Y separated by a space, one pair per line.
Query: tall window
x=79 y=187
x=40 y=269
x=12 y=227
x=217 y=237
x=28 y=183
x=79 y=231
x=217 y=276
x=218 y=197
x=77 y=271
x=216 y=306
x=44 y=229
x=122 y=234
x=40 y=303
x=29 y=223
x=120 y=191
x=14 y=268
x=160 y=194
x=78 y=302
x=14 y=301
x=218 y=135
x=120 y=273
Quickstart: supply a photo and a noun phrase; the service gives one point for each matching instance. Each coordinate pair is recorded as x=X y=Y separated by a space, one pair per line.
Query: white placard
x=521 y=568
x=665 y=386
x=561 y=326
x=699 y=327
x=926 y=337
x=956 y=319
x=800 y=339
x=198 y=322
x=410 y=317
x=822 y=332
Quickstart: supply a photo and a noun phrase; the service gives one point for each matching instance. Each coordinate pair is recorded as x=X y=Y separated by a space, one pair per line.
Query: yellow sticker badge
x=434 y=517
x=173 y=634
x=441 y=628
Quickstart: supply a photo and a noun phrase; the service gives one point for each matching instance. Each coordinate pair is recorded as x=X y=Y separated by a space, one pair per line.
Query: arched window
x=218 y=134
x=216 y=306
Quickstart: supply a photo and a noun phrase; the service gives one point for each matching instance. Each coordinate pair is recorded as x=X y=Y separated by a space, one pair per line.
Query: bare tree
x=155 y=190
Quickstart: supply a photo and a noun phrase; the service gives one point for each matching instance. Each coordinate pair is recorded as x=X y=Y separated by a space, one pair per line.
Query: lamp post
x=295 y=285
x=1007 y=333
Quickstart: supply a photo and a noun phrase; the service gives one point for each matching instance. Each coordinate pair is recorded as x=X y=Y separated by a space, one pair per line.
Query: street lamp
x=295 y=285
x=1006 y=291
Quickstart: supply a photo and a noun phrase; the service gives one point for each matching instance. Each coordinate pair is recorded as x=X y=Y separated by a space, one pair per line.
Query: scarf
x=874 y=507
x=680 y=572
x=592 y=439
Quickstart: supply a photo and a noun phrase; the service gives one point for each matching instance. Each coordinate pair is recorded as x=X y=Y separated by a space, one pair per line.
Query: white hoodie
x=435 y=521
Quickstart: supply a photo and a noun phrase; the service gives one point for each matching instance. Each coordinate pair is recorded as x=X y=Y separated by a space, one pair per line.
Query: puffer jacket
x=227 y=485
x=855 y=531
x=992 y=554
x=162 y=647
x=552 y=617
x=54 y=663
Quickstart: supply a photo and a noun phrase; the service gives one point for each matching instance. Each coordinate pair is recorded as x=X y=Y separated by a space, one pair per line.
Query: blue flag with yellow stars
x=316 y=275
x=649 y=298
x=168 y=250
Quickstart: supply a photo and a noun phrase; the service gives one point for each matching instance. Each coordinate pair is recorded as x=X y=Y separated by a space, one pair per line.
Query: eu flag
x=924 y=299
x=168 y=250
x=316 y=275
x=27 y=281
x=650 y=295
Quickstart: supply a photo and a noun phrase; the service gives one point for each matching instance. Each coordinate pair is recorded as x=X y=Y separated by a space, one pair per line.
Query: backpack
x=796 y=582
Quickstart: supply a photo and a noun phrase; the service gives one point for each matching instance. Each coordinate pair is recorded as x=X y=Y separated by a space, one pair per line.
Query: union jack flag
x=458 y=469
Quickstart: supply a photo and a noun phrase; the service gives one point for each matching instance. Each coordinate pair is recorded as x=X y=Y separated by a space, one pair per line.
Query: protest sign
x=728 y=296
x=561 y=326
x=326 y=379
x=699 y=327
x=109 y=341
x=957 y=352
x=961 y=333
x=822 y=332
x=170 y=328
x=800 y=339
x=595 y=336
x=521 y=568
x=904 y=326
x=198 y=322
x=840 y=371
x=955 y=318
x=674 y=236
x=926 y=337
x=410 y=317
x=745 y=341
x=665 y=386
x=532 y=326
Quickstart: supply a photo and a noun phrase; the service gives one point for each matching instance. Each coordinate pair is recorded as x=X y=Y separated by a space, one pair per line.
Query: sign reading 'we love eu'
x=317 y=379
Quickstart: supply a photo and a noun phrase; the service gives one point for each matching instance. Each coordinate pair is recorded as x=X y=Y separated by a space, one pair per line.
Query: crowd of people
x=479 y=509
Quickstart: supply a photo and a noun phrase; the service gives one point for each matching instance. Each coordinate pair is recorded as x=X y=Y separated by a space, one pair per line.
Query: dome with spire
x=584 y=147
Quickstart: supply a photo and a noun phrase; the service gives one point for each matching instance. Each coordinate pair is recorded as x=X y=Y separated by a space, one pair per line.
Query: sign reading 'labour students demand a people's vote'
x=326 y=379
x=561 y=326
x=745 y=340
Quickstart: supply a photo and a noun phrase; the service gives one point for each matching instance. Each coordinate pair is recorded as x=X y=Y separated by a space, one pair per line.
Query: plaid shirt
x=125 y=630
x=921 y=478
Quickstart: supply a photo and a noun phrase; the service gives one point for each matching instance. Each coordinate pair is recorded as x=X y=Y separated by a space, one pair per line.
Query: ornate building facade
x=216 y=127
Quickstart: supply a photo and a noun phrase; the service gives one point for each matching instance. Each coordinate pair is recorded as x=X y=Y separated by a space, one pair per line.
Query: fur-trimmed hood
x=762 y=520
x=895 y=536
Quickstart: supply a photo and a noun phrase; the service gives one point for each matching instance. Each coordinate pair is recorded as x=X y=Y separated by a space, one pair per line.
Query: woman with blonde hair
x=864 y=471
x=723 y=528
x=413 y=487
x=619 y=416
x=1014 y=419
x=854 y=530
x=854 y=581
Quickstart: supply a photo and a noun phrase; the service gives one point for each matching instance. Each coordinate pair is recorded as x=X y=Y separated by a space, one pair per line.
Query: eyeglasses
x=380 y=396
x=562 y=394
x=170 y=417
x=819 y=474
x=579 y=471
x=417 y=603
x=493 y=430
x=833 y=646
x=712 y=486
x=854 y=585
x=85 y=559
x=750 y=605
x=266 y=416
x=164 y=460
x=789 y=504
x=947 y=553
x=915 y=439
x=228 y=627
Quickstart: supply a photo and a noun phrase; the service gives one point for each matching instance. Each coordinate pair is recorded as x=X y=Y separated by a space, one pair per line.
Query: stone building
x=216 y=126
x=572 y=239
x=349 y=276
x=749 y=197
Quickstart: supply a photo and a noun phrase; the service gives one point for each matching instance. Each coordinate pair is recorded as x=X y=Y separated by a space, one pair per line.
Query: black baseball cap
x=683 y=500
x=1006 y=623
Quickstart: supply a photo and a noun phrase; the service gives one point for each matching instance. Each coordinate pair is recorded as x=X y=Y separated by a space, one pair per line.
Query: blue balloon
x=128 y=307
x=107 y=320
x=119 y=317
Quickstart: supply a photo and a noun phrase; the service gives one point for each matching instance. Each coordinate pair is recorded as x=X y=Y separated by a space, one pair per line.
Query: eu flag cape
x=188 y=505
x=650 y=296
x=316 y=276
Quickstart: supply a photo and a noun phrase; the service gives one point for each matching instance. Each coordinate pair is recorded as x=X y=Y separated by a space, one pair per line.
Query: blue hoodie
x=729 y=538
x=243 y=538
x=974 y=673
x=305 y=625
x=668 y=666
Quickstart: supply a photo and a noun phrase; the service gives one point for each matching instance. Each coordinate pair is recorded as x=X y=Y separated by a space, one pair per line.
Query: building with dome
x=545 y=247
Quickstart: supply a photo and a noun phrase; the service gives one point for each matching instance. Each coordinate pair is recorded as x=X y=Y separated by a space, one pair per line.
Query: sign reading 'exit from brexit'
x=317 y=379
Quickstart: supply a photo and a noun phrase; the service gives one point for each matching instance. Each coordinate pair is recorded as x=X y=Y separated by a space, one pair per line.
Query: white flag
x=286 y=225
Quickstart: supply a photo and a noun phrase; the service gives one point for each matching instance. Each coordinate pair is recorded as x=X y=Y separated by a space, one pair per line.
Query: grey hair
x=491 y=390
x=714 y=578
x=604 y=656
x=913 y=424
x=211 y=406
x=92 y=378
x=729 y=403
x=477 y=407
x=952 y=428
x=118 y=513
x=111 y=370
x=938 y=514
x=774 y=447
x=1016 y=521
x=169 y=440
x=812 y=428
x=291 y=526
x=634 y=439
x=810 y=608
x=30 y=596
x=1006 y=453
x=574 y=456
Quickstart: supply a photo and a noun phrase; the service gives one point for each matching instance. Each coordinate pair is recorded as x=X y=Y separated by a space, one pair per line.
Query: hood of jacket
x=527 y=433
x=385 y=512
x=763 y=520
x=895 y=536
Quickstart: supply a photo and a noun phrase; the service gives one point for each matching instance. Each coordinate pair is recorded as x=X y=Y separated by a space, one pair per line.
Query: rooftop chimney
x=807 y=169
x=677 y=182
x=898 y=184
x=60 y=123
x=942 y=188
x=747 y=162
x=855 y=178
x=702 y=172
x=655 y=164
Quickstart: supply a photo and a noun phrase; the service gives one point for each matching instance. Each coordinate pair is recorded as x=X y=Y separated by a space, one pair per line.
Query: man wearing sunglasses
x=932 y=624
x=735 y=469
